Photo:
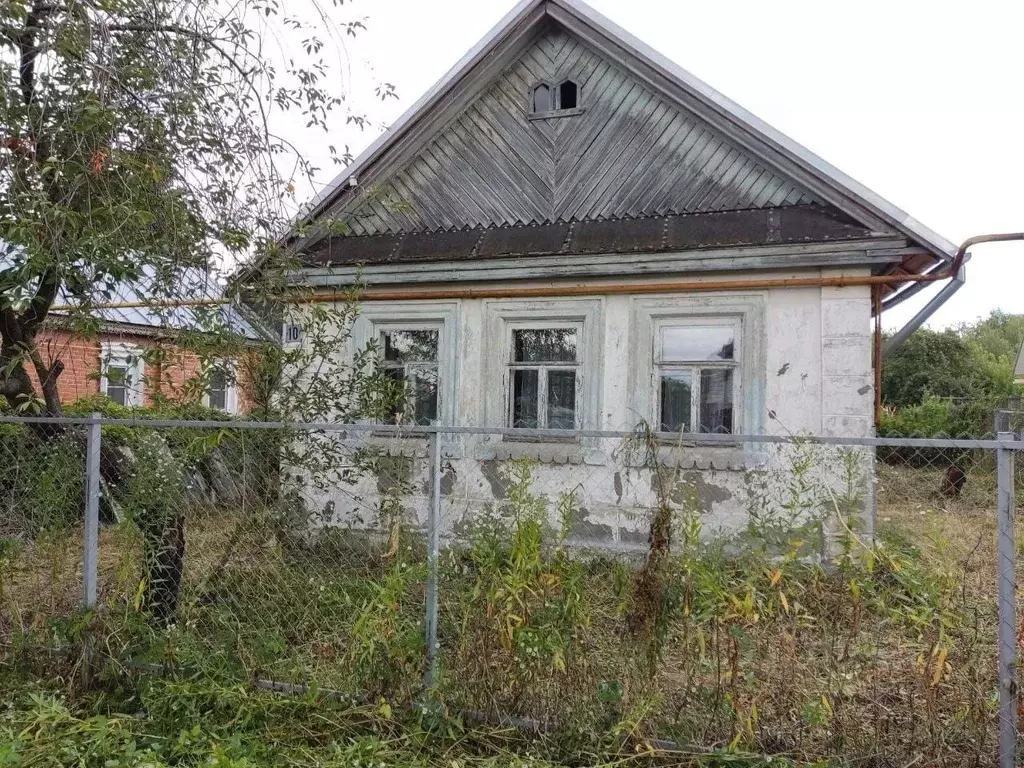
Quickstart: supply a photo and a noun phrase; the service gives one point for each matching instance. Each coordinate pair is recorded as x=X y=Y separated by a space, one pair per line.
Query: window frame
x=695 y=367
x=501 y=314
x=230 y=385
x=543 y=367
x=379 y=329
x=554 y=107
x=418 y=314
x=749 y=308
x=130 y=357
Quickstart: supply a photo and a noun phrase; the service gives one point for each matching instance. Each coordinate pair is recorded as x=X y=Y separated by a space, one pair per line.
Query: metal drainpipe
x=897 y=340
x=957 y=279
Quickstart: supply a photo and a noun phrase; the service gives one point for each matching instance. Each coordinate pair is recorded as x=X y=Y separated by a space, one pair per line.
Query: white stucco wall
x=805 y=369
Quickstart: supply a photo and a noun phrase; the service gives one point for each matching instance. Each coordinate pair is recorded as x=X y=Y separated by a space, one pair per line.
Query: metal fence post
x=433 y=552
x=91 y=543
x=1006 y=493
x=92 y=512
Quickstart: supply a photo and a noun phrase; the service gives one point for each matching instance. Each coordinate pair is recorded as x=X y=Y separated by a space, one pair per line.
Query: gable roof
x=821 y=182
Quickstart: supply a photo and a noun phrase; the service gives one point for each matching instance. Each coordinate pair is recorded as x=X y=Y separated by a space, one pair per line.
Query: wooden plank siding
x=630 y=153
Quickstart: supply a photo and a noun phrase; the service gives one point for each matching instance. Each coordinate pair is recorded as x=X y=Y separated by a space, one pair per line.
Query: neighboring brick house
x=137 y=356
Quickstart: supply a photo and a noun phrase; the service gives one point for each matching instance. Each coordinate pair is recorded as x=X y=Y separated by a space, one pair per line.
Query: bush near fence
x=742 y=644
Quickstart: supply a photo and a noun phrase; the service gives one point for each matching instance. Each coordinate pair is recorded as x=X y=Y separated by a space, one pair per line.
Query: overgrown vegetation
x=948 y=383
x=735 y=648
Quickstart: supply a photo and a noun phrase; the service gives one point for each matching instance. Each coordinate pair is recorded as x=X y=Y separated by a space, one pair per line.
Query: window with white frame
x=696 y=376
x=221 y=387
x=410 y=358
x=121 y=374
x=544 y=380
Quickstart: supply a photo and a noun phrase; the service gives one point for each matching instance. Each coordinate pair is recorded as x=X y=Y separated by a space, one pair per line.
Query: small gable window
x=559 y=100
x=567 y=94
x=542 y=99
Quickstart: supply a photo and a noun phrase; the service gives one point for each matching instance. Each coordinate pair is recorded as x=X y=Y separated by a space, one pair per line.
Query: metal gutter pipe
x=899 y=338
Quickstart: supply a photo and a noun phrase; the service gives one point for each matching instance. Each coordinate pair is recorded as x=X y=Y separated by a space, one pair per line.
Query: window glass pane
x=219 y=399
x=567 y=95
x=541 y=99
x=118 y=393
x=424 y=395
x=525 y=393
x=676 y=389
x=397 y=375
x=698 y=343
x=716 y=401
x=410 y=346
x=218 y=389
x=117 y=374
x=545 y=345
x=561 y=399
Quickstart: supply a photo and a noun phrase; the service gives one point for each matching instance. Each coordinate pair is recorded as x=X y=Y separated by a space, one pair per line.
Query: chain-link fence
x=814 y=597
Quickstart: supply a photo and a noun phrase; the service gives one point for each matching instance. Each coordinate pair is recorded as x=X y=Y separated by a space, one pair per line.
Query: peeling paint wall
x=806 y=368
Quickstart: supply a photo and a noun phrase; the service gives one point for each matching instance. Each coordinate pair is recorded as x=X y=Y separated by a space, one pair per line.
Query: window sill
x=556 y=113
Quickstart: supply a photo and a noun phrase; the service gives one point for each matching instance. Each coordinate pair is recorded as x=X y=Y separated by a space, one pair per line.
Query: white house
x=569 y=231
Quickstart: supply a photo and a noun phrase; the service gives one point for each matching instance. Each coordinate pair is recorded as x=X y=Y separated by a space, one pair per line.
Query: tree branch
x=38 y=309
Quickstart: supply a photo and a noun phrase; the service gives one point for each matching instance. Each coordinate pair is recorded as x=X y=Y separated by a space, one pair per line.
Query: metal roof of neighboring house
x=1018 y=372
x=191 y=284
x=134 y=306
x=779 y=151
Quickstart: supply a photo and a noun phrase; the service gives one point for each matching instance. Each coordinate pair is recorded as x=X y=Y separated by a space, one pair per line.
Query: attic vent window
x=550 y=101
x=567 y=95
x=541 y=99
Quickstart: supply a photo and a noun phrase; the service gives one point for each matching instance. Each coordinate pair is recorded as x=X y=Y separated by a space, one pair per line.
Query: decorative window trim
x=128 y=356
x=649 y=314
x=417 y=315
x=503 y=316
x=230 y=368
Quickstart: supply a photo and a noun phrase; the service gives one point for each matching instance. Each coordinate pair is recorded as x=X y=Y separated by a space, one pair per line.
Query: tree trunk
x=165 y=563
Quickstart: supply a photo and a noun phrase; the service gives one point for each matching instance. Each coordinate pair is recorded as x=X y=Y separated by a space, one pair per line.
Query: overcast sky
x=922 y=101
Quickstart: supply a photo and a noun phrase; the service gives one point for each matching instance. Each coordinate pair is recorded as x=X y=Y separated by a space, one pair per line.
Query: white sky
x=921 y=100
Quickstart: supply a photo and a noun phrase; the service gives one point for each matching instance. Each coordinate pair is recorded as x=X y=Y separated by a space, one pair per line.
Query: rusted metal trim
x=582 y=289
x=876 y=298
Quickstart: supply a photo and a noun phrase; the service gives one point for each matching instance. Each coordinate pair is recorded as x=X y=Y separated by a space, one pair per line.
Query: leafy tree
x=138 y=135
x=949 y=382
x=932 y=363
x=137 y=139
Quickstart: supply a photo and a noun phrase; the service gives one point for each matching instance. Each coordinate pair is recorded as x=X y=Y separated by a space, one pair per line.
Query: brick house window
x=222 y=387
x=122 y=373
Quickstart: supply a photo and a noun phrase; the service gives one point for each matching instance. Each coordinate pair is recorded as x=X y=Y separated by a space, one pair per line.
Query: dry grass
x=796 y=666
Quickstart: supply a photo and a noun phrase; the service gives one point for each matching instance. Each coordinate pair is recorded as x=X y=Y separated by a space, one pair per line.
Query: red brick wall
x=81 y=359
x=172 y=373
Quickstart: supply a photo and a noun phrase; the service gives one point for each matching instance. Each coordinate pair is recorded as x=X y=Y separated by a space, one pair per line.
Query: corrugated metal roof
x=147 y=298
x=780 y=151
x=186 y=285
x=653 y=234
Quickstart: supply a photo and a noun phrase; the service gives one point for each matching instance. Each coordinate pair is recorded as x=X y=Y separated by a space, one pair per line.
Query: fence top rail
x=1005 y=441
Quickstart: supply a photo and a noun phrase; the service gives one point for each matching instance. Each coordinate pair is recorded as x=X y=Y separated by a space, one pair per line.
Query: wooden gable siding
x=631 y=153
